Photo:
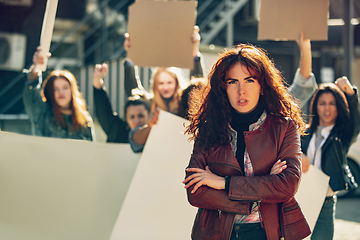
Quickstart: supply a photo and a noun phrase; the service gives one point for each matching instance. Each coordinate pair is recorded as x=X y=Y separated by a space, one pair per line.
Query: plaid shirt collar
x=252 y=127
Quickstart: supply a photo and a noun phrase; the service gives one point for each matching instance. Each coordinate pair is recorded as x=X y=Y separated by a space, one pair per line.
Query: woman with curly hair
x=56 y=107
x=246 y=163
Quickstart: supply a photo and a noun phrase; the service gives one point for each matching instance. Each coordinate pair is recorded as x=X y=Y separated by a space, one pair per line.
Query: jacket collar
x=252 y=127
x=223 y=161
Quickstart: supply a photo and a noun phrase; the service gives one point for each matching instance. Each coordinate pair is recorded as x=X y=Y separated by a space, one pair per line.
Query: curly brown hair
x=210 y=109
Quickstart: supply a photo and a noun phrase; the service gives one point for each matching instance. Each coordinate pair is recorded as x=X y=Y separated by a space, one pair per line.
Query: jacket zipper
x=232 y=226
x=338 y=158
x=260 y=215
x=282 y=237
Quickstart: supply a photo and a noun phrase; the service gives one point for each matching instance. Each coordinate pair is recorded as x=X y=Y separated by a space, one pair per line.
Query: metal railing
x=87 y=18
x=218 y=15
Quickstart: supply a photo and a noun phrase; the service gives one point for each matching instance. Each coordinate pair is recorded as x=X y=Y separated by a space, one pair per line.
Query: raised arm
x=115 y=128
x=132 y=80
x=304 y=84
x=34 y=105
x=198 y=70
x=352 y=96
x=305 y=64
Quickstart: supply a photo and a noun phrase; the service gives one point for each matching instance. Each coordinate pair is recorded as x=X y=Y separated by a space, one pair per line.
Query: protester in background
x=245 y=167
x=167 y=88
x=168 y=83
x=334 y=126
x=56 y=107
x=117 y=129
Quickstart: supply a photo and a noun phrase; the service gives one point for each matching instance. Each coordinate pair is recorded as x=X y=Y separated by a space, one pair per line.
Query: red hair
x=210 y=109
x=80 y=116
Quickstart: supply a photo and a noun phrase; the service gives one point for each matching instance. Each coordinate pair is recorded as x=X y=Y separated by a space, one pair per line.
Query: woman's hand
x=127 y=44
x=305 y=56
x=203 y=177
x=344 y=84
x=304 y=44
x=278 y=167
x=100 y=71
x=154 y=117
x=38 y=59
x=305 y=163
x=195 y=39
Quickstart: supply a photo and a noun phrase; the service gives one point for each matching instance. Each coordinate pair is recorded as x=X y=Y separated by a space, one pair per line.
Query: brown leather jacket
x=277 y=138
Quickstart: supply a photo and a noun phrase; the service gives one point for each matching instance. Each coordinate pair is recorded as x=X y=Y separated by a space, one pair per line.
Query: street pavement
x=347 y=218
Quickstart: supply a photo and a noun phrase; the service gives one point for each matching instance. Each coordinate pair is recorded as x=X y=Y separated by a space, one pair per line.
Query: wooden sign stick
x=47 y=30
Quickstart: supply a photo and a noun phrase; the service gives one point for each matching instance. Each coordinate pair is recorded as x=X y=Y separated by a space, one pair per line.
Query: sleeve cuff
x=128 y=63
x=227 y=183
x=300 y=80
x=353 y=97
x=137 y=148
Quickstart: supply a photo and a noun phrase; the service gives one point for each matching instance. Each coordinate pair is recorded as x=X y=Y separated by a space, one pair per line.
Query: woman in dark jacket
x=333 y=127
x=245 y=168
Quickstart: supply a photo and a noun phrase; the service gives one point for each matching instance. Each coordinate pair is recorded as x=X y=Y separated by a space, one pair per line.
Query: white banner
x=156 y=206
x=61 y=189
x=311 y=194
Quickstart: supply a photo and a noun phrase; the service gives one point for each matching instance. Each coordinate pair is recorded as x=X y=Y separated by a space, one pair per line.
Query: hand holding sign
x=38 y=60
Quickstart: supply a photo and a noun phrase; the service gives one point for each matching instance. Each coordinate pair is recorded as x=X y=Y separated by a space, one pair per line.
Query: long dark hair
x=80 y=116
x=342 y=105
x=210 y=109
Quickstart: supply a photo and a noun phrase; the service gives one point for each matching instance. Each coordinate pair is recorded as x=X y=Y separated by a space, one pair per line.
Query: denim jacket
x=42 y=117
x=302 y=88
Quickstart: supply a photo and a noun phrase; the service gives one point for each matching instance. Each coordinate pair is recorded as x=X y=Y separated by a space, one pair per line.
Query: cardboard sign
x=285 y=19
x=311 y=194
x=61 y=189
x=47 y=31
x=156 y=206
x=160 y=33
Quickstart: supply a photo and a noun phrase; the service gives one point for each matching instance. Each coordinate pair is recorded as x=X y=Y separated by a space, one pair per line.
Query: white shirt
x=315 y=156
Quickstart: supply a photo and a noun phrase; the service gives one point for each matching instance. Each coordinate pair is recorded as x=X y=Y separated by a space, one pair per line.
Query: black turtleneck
x=240 y=123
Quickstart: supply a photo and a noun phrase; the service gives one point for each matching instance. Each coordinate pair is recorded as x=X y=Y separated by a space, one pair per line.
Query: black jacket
x=115 y=128
x=336 y=146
